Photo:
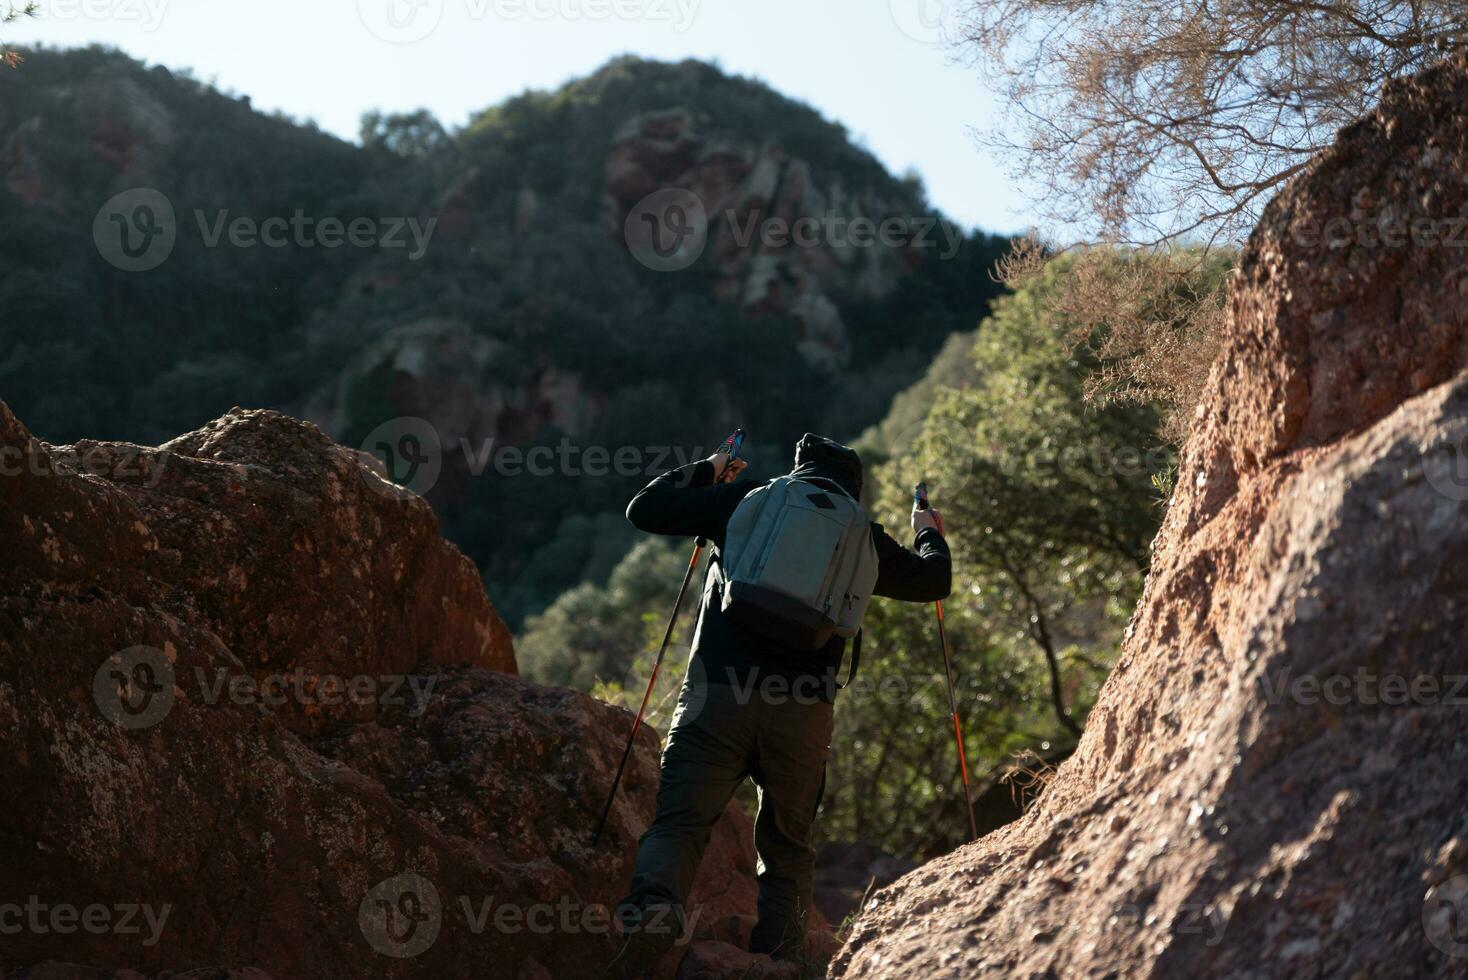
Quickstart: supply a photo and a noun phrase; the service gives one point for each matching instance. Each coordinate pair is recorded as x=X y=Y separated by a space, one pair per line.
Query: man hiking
x=757 y=701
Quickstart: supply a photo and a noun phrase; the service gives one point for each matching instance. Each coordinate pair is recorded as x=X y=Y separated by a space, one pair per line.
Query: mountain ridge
x=531 y=317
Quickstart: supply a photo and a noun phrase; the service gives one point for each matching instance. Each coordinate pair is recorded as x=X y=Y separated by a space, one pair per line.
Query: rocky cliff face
x=1272 y=781
x=755 y=202
x=256 y=712
x=776 y=235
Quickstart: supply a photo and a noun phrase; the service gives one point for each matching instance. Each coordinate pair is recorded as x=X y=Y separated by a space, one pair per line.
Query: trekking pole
x=730 y=448
x=920 y=499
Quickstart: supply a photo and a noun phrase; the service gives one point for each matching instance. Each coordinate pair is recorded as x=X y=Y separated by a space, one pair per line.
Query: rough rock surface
x=1272 y=781
x=285 y=548
x=181 y=630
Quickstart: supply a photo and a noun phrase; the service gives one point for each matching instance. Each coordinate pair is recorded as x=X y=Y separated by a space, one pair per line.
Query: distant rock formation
x=1272 y=781
x=441 y=369
x=130 y=132
x=747 y=190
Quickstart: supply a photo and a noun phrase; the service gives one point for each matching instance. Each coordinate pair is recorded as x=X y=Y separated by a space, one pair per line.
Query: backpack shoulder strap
x=855 y=661
x=827 y=481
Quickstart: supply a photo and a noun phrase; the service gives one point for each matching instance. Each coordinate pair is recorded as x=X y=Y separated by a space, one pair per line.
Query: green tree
x=1049 y=504
x=595 y=634
x=414 y=135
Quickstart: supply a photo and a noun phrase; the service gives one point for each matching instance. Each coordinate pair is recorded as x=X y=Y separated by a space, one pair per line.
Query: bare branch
x=1158 y=121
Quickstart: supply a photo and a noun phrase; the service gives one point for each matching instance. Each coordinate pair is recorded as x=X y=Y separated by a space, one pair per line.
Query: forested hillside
x=498 y=292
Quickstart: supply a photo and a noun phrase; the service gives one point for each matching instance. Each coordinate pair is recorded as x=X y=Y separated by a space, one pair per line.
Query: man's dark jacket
x=686 y=501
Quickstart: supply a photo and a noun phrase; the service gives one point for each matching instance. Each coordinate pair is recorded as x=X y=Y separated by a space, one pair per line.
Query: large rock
x=1272 y=781
x=257 y=713
x=291 y=551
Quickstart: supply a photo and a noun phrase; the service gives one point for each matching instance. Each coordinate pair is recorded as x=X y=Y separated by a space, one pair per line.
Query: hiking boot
x=640 y=952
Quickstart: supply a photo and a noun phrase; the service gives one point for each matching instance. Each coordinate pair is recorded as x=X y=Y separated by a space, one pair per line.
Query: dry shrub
x=1153 y=318
x=1027 y=776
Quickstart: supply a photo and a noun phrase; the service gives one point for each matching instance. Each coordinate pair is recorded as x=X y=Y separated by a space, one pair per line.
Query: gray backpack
x=798 y=564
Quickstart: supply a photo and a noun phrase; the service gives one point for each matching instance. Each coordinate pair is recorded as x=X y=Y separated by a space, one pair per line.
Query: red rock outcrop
x=780 y=239
x=1272 y=781
x=130 y=133
x=442 y=371
x=256 y=712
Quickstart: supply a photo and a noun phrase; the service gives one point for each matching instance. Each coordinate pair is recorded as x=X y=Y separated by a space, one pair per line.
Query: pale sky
x=873 y=65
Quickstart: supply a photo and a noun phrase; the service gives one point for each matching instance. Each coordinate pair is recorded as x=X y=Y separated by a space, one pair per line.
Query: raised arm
x=923 y=575
x=687 y=502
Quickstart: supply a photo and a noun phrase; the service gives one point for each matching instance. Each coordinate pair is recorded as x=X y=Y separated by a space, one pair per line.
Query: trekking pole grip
x=730 y=447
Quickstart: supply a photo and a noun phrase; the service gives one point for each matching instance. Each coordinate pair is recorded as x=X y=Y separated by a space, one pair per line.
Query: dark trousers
x=720 y=735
